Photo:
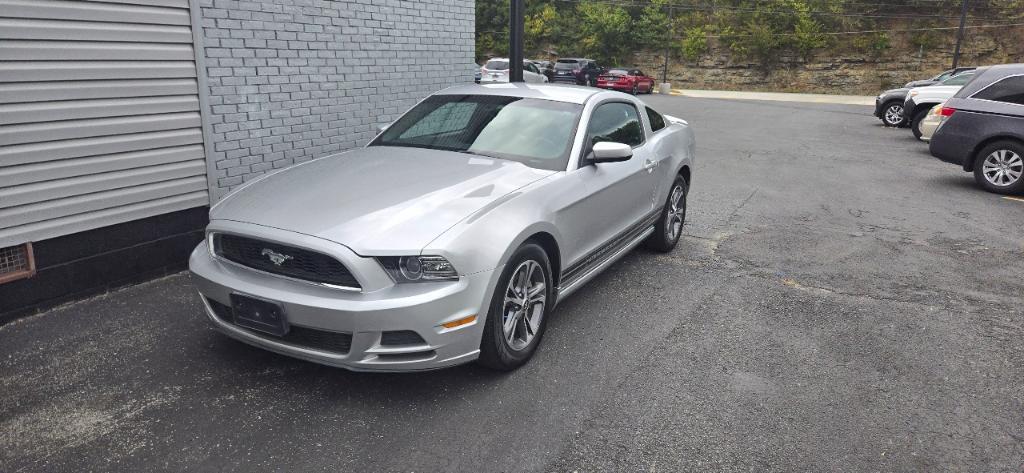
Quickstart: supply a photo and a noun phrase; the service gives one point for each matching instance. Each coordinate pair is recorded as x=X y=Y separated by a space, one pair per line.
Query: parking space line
x=1018 y=199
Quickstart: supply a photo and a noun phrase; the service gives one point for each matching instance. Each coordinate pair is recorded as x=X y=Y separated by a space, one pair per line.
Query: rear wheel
x=518 y=312
x=669 y=226
x=892 y=114
x=999 y=167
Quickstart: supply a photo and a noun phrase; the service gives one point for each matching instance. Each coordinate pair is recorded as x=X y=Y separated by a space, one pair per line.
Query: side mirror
x=610 y=152
x=382 y=127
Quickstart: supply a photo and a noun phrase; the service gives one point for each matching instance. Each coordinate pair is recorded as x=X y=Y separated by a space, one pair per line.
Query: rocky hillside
x=831 y=46
x=835 y=71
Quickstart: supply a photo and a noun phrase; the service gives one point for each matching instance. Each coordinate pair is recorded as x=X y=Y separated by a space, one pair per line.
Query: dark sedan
x=983 y=130
x=889 y=105
x=577 y=71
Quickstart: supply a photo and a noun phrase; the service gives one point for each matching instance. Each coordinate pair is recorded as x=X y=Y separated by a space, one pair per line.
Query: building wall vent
x=16 y=262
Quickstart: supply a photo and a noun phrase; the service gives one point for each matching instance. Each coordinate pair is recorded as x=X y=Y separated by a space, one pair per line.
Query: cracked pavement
x=842 y=301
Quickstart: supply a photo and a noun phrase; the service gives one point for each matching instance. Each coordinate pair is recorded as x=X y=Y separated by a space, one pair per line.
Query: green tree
x=541 y=28
x=604 y=31
x=694 y=43
x=653 y=26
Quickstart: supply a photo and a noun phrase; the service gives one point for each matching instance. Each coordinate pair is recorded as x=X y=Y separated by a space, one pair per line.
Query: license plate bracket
x=259 y=314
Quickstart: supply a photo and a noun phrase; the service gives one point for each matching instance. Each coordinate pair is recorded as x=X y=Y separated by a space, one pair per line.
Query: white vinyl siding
x=99 y=115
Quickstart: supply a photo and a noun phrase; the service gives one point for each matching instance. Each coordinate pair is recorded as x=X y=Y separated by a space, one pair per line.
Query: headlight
x=418 y=268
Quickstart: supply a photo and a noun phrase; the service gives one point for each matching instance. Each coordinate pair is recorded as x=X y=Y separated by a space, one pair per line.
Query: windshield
x=561 y=64
x=617 y=72
x=959 y=80
x=535 y=132
x=495 y=65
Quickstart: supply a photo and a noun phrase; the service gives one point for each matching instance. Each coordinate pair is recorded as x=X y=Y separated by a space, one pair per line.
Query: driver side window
x=617 y=122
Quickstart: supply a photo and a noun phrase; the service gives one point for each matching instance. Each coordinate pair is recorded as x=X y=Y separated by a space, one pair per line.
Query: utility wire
x=714 y=8
x=840 y=33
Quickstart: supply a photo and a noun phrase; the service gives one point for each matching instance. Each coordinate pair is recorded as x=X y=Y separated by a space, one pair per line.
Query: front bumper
x=421 y=308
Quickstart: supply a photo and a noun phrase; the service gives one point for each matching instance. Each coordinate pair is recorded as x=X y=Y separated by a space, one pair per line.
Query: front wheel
x=669 y=226
x=518 y=312
x=893 y=114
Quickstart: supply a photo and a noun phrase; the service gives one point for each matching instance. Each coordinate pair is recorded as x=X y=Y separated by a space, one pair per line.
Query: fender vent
x=16 y=262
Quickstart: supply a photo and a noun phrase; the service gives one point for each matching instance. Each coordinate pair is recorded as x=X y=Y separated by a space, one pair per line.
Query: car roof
x=558 y=93
x=989 y=74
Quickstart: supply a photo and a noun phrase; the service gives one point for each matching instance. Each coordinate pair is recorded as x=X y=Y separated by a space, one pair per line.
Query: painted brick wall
x=293 y=80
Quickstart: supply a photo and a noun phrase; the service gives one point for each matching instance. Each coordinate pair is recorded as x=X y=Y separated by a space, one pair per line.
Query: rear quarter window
x=657 y=121
x=1009 y=90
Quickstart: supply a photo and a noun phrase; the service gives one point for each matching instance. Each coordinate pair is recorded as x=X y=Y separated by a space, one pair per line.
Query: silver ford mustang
x=452 y=235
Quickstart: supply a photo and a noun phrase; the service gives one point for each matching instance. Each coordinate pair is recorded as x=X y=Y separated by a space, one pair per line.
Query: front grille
x=303 y=337
x=294 y=262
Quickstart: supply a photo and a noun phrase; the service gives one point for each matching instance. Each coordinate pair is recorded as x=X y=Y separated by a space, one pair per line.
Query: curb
x=776 y=97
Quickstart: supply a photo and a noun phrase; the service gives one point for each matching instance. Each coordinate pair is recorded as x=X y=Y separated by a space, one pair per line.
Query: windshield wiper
x=474 y=153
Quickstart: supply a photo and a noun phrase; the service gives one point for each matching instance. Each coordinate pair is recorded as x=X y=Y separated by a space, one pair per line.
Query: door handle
x=650 y=164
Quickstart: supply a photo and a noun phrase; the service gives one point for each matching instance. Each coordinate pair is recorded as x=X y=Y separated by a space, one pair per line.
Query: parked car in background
x=452 y=235
x=496 y=70
x=921 y=99
x=577 y=71
x=983 y=131
x=547 y=68
x=632 y=81
x=939 y=78
x=931 y=122
x=889 y=104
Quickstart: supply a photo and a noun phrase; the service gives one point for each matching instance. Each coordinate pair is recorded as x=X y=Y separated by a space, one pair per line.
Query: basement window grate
x=16 y=262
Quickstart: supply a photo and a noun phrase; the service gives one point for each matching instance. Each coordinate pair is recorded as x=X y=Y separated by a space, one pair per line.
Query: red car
x=632 y=81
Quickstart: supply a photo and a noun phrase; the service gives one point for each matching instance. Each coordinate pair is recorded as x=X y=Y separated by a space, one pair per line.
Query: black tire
x=662 y=240
x=915 y=124
x=496 y=352
x=888 y=119
x=636 y=89
x=1012 y=150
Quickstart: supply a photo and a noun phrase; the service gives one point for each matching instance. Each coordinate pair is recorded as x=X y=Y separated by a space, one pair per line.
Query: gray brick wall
x=294 y=80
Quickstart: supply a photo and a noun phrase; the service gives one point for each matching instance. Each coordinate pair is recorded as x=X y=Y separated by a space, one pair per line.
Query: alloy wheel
x=523 y=309
x=1003 y=168
x=894 y=114
x=676 y=213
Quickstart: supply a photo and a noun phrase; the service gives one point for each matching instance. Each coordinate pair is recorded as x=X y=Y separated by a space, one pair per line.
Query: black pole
x=960 y=34
x=668 y=42
x=515 y=40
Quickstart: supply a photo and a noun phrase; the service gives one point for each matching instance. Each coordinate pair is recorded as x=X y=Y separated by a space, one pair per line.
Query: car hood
x=901 y=91
x=377 y=200
x=936 y=92
x=919 y=83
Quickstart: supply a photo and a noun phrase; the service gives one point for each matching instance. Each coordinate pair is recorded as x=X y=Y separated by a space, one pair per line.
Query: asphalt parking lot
x=841 y=301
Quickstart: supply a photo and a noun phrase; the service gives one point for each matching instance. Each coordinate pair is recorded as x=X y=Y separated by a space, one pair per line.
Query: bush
x=694 y=43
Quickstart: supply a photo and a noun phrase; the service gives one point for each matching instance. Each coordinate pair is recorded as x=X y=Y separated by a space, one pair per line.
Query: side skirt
x=590 y=266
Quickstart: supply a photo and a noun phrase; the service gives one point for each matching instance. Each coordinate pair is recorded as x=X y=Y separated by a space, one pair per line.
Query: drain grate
x=16 y=262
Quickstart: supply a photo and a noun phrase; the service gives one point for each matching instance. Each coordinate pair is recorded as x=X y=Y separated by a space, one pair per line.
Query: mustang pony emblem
x=277 y=258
